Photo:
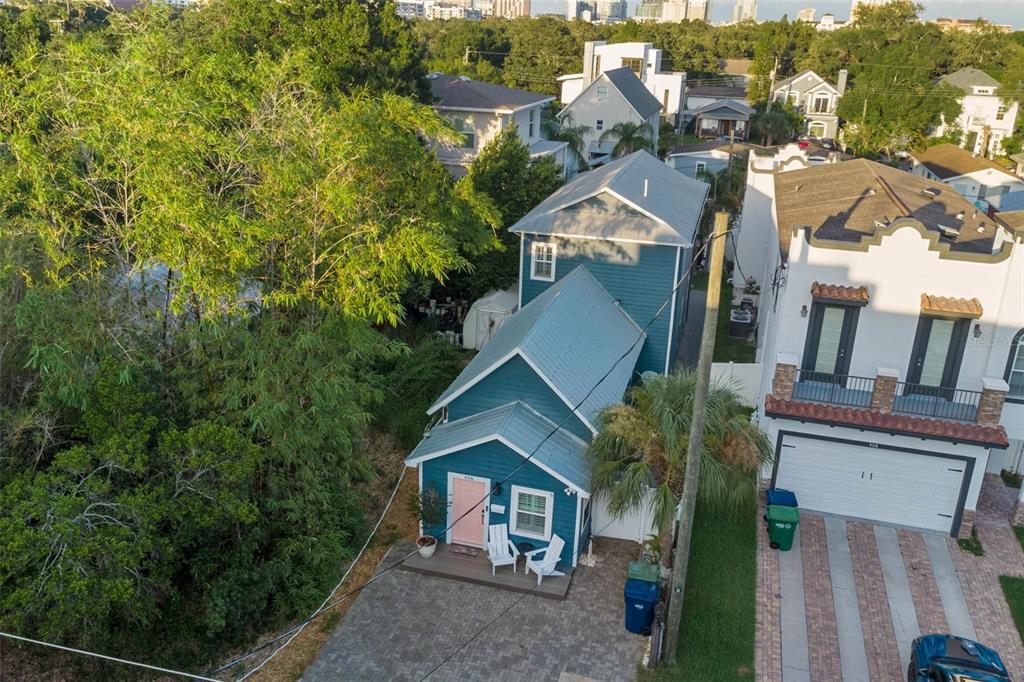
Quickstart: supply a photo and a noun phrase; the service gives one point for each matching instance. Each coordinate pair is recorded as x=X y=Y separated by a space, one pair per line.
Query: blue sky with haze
x=997 y=11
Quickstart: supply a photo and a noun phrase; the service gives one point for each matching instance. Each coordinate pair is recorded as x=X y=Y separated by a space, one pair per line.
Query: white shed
x=486 y=315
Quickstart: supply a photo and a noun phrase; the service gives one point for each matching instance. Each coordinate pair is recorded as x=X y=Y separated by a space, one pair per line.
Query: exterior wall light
x=803 y=311
x=977 y=330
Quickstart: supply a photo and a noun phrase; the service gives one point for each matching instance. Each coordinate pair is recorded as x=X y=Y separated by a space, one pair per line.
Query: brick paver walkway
x=978 y=579
x=979 y=576
x=822 y=634
x=405 y=624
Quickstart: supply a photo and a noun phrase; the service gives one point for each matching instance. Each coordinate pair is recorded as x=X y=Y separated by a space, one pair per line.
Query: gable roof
x=854 y=200
x=968 y=78
x=792 y=79
x=459 y=92
x=735 y=67
x=555 y=334
x=947 y=161
x=636 y=198
x=519 y=427
x=632 y=90
x=716 y=91
x=739 y=107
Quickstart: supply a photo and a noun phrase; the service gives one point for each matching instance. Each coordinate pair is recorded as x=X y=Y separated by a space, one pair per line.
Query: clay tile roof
x=946 y=305
x=877 y=421
x=837 y=292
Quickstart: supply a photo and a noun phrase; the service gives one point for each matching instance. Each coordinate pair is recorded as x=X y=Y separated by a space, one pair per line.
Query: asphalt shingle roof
x=632 y=88
x=636 y=198
x=573 y=333
x=458 y=92
x=947 y=161
x=558 y=451
x=965 y=79
x=847 y=202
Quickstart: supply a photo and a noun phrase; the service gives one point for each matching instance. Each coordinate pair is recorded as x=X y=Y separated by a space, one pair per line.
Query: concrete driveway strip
x=796 y=664
x=953 y=603
x=853 y=660
x=897 y=588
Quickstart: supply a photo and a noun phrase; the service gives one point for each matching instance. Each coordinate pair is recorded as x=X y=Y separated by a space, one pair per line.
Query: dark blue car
x=945 y=658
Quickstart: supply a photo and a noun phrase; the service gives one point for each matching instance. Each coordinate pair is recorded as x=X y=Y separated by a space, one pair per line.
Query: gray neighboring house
x=703 y=157
x=481 y=110
x=816 y=99
x=722 y=118
x=616 y=96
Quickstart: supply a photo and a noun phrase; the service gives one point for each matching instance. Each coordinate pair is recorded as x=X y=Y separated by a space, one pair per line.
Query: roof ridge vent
x=951 y=232
x=960 y=215
x=930 y=192
x=645 y=188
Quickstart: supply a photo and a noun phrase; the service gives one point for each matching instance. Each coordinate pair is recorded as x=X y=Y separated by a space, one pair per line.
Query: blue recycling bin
x=780 y=498
x=641 y=596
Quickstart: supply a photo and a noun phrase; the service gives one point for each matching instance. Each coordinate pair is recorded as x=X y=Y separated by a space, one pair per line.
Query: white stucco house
x=889 y=334
x=816 y=99
x=614 y=96
x=985 y=119
x=481 y=110
x=981 y=181
x=643 y=59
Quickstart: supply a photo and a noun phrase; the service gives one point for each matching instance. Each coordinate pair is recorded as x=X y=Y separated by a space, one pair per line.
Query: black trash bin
x=640 y=596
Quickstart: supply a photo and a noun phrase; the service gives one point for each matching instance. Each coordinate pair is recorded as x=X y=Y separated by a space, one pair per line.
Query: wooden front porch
x=449 y=564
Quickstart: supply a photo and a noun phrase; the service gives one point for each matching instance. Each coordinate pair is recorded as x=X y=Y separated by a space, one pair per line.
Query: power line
x=123 y=661
x=521 y=464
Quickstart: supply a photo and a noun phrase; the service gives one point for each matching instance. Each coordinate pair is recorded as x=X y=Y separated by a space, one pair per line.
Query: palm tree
x=565 y=129
x=772 y=125
x=642 y=445
x=629 y=137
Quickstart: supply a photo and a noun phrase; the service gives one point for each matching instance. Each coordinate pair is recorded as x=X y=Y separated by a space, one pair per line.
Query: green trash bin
x=782 y=523
x=641 y=570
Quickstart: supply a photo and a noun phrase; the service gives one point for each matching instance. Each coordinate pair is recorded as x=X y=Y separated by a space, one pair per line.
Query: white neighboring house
x=615 y=96
x=828 y=22
x=816 y=99
x=889 y=334
x=643 y=59
x=985 y=119
x=482 y=110
x=979 y=180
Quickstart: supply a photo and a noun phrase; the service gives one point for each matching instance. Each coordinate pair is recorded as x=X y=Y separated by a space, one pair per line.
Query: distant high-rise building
x=806 y=15
x=510 y=9
x=970 y=25
x=745 y=10
x=649 y=10
x=610 y=9
x=697 y=10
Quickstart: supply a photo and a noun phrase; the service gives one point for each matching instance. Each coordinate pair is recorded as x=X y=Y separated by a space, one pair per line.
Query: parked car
x=827 y=143
x=947 y=658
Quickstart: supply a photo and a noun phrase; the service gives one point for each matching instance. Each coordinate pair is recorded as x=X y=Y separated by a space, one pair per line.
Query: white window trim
x=533 y=260
x=700 y=166
x=549 y=509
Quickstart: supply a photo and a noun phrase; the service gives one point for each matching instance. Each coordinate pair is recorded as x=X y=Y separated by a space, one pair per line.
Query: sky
x=996 y=11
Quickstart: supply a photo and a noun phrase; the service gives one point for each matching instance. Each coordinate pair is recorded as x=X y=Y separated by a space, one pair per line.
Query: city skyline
x=996 y=11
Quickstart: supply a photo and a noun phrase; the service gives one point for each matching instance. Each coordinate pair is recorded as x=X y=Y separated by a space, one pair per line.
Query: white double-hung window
x=542 y=261
x=531 y=512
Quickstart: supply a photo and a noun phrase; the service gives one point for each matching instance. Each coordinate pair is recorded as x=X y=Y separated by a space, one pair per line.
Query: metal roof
x=517 y=425
x=571 y=334
x=968 y=78
x=632 y=88
x=636 y=198
x=459 y=92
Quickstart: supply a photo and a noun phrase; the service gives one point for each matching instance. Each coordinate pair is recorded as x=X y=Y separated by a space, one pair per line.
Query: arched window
x=1015 y=368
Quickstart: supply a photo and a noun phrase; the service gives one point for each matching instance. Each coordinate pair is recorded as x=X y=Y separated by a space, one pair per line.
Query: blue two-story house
x=633 y=224
x=517 y=420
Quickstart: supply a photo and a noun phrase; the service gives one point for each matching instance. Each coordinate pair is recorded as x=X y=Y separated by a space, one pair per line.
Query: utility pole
x=465 y=56
x=771 y=88
x=691 y=479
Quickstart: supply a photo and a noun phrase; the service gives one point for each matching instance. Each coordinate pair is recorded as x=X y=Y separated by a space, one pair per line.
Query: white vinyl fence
x=744 y=377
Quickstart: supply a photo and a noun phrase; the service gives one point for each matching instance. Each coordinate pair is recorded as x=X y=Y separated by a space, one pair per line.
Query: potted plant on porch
x=432 y=512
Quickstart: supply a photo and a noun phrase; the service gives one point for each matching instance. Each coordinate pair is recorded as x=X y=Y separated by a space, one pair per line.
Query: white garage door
x=890 y=486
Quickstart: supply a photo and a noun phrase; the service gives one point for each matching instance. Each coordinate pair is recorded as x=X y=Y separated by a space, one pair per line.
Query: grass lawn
x=1019 y=531
x=716 y=642
x=727 y=349
x=1013 y=590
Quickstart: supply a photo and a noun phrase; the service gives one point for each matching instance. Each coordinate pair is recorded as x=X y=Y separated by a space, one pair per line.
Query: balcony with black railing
x=936 y=402
x=833 y=389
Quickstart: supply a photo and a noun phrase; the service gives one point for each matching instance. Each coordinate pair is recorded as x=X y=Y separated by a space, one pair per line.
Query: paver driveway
x=849 y=598
x=406 y=625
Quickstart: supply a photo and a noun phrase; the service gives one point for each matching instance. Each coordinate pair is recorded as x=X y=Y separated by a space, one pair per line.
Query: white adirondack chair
x=544 y=560
x=500 y=550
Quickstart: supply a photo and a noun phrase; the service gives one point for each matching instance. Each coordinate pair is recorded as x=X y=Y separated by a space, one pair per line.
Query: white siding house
x=985 y=119
x=982 y=182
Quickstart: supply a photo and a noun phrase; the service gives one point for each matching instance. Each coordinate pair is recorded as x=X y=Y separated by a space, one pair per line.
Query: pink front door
x=468 y=495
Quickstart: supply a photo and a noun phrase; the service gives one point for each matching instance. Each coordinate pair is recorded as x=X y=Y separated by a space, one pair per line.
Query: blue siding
x=639 y=276
x=681 y=300
x=494 y=461
x=516 y=380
